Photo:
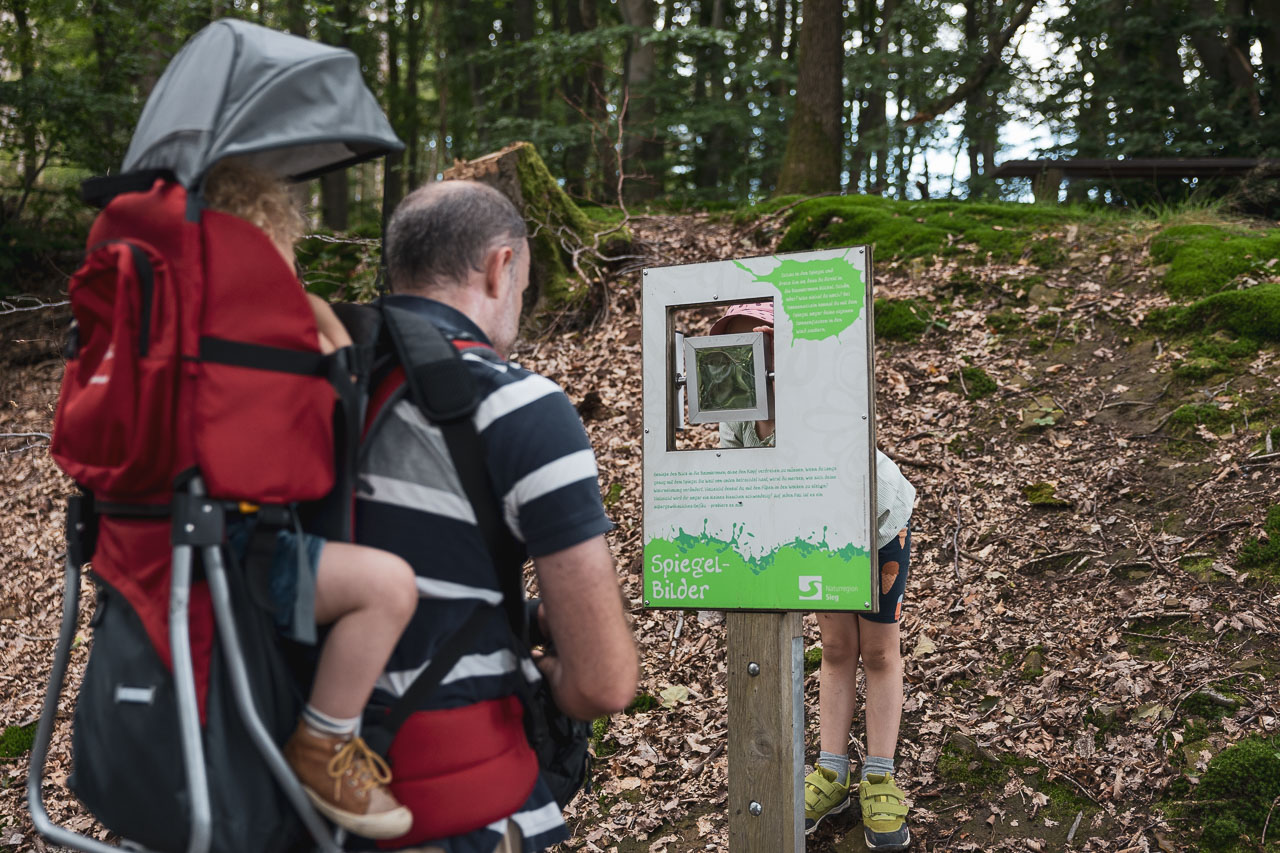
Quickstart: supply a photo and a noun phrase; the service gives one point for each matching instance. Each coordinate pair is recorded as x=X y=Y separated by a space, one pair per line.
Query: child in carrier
x=847 y=638
x=367 y=596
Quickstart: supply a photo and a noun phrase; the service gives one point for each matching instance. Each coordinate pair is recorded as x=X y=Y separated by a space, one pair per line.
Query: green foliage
x=1264 y=556
x=1236 y=792
x=613 y=495
x=1187 y=417
x=643 y=703
x=1044 y=495
x=812 y=659
x=901 y=319
x=602 y=746
x=16 y=740
x=921 y=229
x=1204 y=259
x=1250 y=314
x=975 y=383
x=1006 y=321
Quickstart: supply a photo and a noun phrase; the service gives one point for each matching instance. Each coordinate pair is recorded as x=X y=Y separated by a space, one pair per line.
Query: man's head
x=465 y=244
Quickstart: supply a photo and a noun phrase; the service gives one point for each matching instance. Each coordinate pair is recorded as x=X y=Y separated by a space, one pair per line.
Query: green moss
x=602 y=746
x=1044 y=495
x=1006 y=321
x=1204 y=259
x=1252 y=313
x=902 y=229
x=1167 y=244
x=964 y=767
x=1046 y=253
x=901 y=319
x=1185 y=419
x=1264 y=557
x=963 y=281
x=612 y=496
x=16 y=740
x=643 y=703
x=975 y=383
x=1236 y=792
x=1048 y=321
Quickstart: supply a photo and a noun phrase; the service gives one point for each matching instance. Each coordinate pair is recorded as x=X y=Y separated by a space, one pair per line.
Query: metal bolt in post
x=755 y=809
x=753 y=669
x=190 y=528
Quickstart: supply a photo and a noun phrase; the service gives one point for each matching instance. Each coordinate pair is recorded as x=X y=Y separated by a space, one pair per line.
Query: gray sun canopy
x=293 y=107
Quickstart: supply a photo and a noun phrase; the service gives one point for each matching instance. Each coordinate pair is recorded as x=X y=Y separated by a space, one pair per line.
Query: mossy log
x=566 y=254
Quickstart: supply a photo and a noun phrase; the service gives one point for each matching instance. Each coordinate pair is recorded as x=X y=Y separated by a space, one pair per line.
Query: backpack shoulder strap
x=442 y=386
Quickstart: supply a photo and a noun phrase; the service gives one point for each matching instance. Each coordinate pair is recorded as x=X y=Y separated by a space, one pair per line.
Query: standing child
x=848 y=637
x=367 y=596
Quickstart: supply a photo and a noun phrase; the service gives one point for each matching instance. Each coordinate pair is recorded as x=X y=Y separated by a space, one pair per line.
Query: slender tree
x=813 y=155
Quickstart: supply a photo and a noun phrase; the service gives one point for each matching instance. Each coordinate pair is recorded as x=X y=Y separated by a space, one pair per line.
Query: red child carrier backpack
x=195 y=391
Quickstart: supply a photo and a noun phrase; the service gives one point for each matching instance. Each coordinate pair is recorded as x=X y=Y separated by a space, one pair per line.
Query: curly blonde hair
x=241 y=190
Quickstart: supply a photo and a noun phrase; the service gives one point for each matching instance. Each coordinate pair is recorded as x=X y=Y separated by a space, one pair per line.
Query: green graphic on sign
x=705 y=572
x=822 y=297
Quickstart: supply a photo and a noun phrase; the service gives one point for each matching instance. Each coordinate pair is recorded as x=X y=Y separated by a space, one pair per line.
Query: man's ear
x=496 y=265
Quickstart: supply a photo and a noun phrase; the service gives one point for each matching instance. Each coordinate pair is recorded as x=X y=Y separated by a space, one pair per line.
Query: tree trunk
x=393 y=165
x=812 y=160
x=1267 y=14
x=597 y=103
x=335 y=186
x=413 y=15
x=641 y=147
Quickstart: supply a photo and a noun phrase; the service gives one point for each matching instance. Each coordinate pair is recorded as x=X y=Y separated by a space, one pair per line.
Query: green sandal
x=884 y=813
x=823 y=796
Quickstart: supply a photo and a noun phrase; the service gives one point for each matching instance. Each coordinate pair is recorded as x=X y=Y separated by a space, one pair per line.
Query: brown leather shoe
x=346 y=782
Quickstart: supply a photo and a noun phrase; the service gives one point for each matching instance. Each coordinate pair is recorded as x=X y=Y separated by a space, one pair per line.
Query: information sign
x=783 y=526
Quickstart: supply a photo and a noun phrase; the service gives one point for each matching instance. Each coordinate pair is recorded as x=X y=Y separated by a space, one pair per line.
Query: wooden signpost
x=768 y=532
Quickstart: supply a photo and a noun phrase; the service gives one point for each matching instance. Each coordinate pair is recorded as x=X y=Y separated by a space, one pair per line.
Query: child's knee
x=394 y=585
x=881 y=659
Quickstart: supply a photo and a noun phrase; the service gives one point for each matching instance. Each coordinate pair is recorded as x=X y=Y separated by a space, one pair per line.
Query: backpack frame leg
x=215 y=571
x=184 y=686
x=188 y=717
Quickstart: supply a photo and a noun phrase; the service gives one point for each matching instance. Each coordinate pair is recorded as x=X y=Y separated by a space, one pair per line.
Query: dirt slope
x=1079 y=636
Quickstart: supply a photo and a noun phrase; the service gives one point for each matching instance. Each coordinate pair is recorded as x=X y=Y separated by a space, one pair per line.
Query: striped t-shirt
x=411 y=502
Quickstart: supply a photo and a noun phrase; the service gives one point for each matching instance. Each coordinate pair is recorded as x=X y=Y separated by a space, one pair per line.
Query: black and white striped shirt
x=411 y=502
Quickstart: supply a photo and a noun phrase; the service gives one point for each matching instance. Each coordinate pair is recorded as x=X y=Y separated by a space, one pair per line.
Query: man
x=457 y=254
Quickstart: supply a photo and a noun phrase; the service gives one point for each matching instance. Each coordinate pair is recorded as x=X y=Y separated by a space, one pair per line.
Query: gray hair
x=442 y=231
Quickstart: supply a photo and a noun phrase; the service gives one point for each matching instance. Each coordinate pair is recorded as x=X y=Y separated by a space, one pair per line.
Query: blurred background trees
x=688 y=101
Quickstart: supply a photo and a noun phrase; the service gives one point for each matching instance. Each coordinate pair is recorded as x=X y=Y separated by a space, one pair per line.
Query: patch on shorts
x=888 y=574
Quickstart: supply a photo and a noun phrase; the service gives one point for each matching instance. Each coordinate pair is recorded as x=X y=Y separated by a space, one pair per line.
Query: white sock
x=324 y=724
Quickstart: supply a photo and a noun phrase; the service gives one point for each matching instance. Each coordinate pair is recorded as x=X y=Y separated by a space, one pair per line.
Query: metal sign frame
x=692 y=348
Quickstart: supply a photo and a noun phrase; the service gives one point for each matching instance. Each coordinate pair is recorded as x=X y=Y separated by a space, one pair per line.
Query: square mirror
x=726 y=378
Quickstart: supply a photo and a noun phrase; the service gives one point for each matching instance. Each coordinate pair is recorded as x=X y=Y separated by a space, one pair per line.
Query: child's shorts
x=895 y=562
x=291 y=584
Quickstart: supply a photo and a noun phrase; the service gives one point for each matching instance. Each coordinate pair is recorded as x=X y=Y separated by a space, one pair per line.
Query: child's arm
x=333 y=335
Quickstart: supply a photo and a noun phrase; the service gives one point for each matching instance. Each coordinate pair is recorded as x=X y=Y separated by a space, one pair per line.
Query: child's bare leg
x=837 y=680
x=882 y=663
x=368 y=596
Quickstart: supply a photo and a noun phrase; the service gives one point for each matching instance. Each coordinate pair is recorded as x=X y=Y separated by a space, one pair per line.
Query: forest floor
x=1080 y=638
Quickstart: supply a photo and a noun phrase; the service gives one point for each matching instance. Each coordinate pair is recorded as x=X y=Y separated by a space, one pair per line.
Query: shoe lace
x=365 y=766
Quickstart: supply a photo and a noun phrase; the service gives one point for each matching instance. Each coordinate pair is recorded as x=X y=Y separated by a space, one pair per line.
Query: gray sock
x=838 y=763
x=877 y=765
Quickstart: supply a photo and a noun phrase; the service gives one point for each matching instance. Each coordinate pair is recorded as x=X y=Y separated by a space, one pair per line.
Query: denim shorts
x=290 y=583
x=895 y=563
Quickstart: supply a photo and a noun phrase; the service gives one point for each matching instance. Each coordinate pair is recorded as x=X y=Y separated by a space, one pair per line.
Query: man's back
x=411 y=502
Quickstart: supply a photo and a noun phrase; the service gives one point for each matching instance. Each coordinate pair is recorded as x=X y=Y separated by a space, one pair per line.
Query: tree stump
x=566 y=249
